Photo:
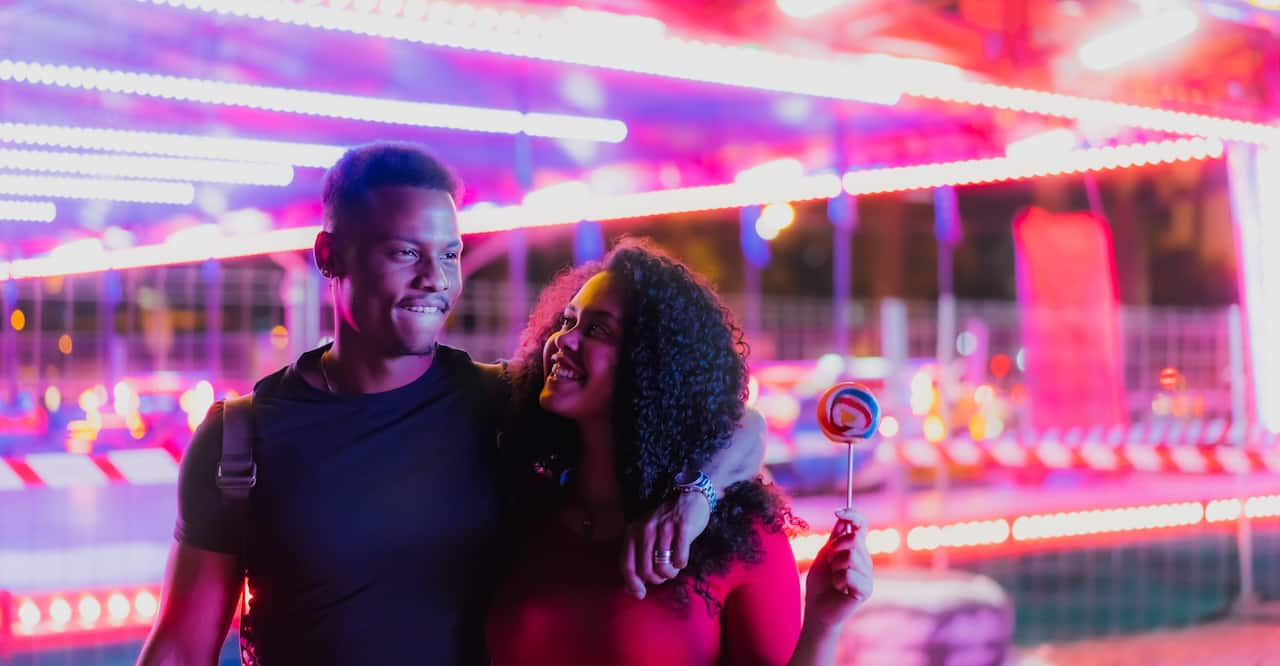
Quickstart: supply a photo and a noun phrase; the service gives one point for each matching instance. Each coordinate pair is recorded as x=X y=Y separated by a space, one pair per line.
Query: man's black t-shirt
x=374 y=528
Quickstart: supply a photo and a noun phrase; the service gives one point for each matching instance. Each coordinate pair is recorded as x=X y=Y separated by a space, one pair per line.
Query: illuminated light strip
x=281 y=240
x=481 y=220
x=642 y=204
x=1267 y=506
x=106 y=189
x=28 y=211
x=314 y=103
x=1219 y=511
x=1103 y=521
x=1082 y=108
x=176 y=145
x=157 y=168
x=998 y=169
x=879 y=542
x=609 y=41
x=970 y=533
x=873 y=78
x=79 y=611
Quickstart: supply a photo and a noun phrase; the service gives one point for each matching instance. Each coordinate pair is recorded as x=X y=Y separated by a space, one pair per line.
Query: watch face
x=685 y=478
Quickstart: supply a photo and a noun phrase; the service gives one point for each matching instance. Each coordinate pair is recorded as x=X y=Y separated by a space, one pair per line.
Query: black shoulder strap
x=237 y=472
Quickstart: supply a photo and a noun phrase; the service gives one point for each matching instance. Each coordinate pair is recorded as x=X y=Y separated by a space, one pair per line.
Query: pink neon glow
x=107 y=189
x=158 y=168
x=991 y=170
x=178 y=145
x=570 y=210
x=598 y=39
x=1147 y=35
x=315 y=103
x=641 y=45
x=28 y=211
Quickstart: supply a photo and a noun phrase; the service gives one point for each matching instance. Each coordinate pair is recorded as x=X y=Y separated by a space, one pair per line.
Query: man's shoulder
x=272 y=382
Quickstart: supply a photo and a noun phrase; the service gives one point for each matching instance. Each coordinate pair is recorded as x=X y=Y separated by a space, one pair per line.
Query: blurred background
x=1039 y=229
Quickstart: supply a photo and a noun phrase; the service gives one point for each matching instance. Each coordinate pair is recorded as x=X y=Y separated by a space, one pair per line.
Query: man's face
x=401 y=269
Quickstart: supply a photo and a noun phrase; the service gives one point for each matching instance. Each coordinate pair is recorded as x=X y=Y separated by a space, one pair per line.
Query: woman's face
x=581 y=357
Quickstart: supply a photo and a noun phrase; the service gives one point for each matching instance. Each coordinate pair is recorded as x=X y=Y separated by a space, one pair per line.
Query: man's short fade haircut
x=383 y=164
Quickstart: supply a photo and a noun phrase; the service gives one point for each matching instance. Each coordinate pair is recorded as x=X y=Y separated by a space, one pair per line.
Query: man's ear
x=327 y=255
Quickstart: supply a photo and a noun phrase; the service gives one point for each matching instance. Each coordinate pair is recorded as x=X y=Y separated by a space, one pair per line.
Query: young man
x=374 y=534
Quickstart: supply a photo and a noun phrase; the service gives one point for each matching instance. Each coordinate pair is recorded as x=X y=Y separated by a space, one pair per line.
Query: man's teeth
x=564 y=373
x=421 y=309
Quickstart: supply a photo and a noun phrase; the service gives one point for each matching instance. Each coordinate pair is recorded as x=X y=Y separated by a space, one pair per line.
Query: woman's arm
x=761 y=615
x=681 y=519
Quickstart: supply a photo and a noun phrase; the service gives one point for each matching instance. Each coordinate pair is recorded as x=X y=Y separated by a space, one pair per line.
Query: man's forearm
x=744 y=456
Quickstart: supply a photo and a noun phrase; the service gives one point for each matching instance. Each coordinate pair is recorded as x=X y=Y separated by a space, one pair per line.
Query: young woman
x=630 y=374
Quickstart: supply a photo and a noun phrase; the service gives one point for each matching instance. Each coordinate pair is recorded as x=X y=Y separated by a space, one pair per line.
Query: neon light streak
x=159 y=168
x=107 y=189
x=315 y=103
x=177 y=145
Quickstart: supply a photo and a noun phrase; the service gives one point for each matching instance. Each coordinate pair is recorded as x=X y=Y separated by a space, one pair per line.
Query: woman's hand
x=839 y=580
x=839 y=583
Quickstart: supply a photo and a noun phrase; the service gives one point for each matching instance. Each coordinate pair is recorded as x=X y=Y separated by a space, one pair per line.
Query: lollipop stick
x=849 y=502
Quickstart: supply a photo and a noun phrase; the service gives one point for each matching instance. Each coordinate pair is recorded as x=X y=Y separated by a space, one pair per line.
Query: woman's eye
x=596 y=329
x=567 y=323
x=406 y=253
x=451 y=256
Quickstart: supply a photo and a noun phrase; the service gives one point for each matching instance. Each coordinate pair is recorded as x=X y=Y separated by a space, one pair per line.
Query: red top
x=564 y=603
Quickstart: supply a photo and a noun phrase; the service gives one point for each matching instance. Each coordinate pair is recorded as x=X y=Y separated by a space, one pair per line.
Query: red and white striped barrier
x=151 y=466
x=1190 y=447
x=1193 y=447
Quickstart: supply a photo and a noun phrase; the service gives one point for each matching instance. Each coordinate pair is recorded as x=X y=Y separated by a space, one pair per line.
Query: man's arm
x=203 y=578
x=201 y=591
x=683 y=518
x=743 y=458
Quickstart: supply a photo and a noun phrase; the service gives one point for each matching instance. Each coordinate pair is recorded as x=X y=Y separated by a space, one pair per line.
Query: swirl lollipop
x=848 y=412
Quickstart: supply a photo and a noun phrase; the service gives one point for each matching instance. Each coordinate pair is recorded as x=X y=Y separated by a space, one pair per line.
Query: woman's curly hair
x=677 y=400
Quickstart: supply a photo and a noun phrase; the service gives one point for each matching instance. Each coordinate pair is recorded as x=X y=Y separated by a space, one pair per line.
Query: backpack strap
x=237 y=473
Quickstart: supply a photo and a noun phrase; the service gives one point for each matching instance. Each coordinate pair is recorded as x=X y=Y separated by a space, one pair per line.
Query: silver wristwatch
x=700 y=484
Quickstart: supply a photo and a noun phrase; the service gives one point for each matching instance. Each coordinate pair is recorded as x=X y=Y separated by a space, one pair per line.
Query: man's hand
x=672 y=527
